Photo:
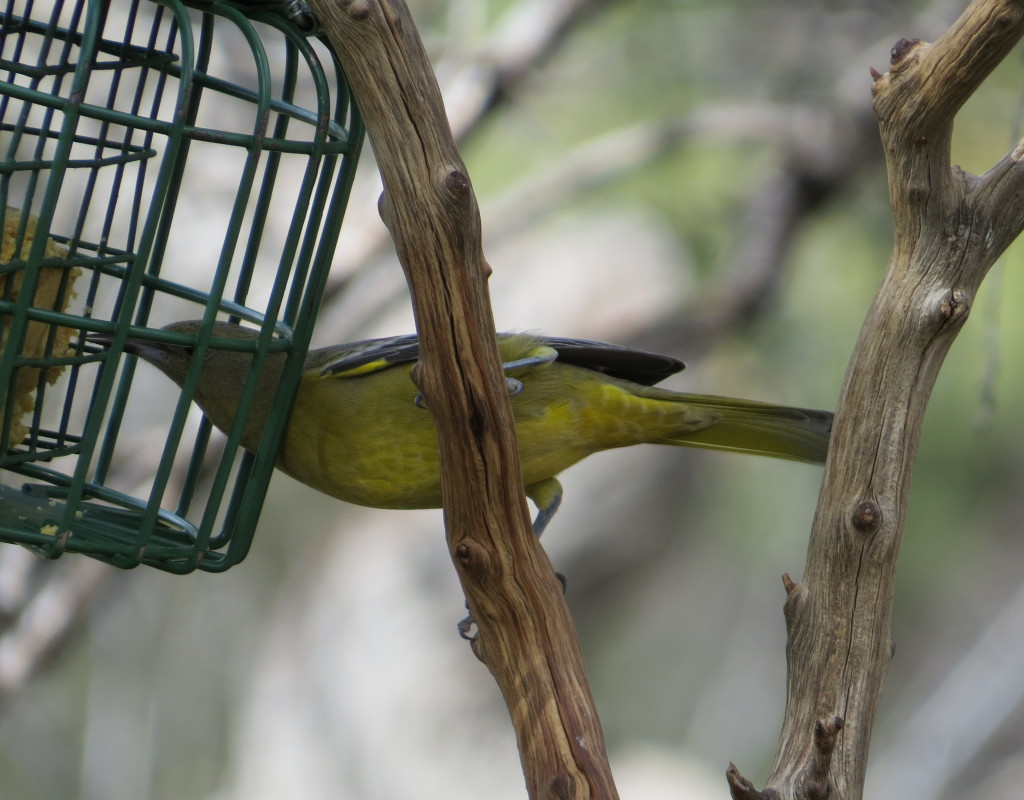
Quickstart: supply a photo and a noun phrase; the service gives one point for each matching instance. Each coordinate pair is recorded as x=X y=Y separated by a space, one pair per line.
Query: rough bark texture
x=526 y=636
x=950 y=227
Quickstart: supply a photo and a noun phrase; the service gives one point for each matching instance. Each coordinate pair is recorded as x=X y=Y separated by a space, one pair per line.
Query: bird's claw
x=466 y=627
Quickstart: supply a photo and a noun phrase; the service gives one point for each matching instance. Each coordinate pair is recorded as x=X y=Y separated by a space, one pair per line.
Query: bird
x=359 y=429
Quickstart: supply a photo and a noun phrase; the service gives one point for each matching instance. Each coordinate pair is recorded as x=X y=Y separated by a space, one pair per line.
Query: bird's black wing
x=366 y=356
x=370 y=355
x=638 y=366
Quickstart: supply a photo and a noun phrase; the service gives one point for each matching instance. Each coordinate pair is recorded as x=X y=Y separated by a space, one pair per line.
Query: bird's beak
x=150 y=351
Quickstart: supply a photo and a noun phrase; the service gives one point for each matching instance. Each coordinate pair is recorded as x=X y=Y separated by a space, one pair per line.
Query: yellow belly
x=378 y=448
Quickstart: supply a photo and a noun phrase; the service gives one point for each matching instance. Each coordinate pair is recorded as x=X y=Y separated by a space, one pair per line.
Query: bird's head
x=174 y=358
x=224 y=371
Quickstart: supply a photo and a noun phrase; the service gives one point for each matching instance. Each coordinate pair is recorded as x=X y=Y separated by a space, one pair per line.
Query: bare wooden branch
x=526 y=635
x=949 y=229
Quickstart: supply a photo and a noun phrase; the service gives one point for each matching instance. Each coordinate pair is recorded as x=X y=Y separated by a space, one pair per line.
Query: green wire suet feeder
x=113 y=117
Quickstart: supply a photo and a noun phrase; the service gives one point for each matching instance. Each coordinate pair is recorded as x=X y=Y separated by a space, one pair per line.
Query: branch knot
x=796 y=601
x=742 y=789
x=817 y=784
x=900 y=50
x=471 y=557
x=356 y=9
x=456 y=181
x=866 y=517
x=562 y=787
x=954 y=307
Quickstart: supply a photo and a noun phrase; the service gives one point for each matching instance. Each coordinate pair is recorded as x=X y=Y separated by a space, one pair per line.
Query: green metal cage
x=161 y=161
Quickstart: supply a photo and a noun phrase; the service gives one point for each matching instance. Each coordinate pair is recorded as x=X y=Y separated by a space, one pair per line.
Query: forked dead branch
x=950 y=227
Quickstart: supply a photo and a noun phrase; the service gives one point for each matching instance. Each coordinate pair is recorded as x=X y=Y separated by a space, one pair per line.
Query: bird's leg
x=547 y=496
x=540 y=356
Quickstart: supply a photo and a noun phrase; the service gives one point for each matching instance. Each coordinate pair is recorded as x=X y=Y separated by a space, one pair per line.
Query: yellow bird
x=359 y=430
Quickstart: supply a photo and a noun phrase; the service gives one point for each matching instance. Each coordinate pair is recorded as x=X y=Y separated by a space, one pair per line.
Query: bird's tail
x=747 y=426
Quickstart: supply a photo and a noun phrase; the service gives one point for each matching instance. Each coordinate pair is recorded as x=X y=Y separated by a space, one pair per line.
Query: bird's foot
x=467 y=628
x=542 y=355
x=467 y=625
